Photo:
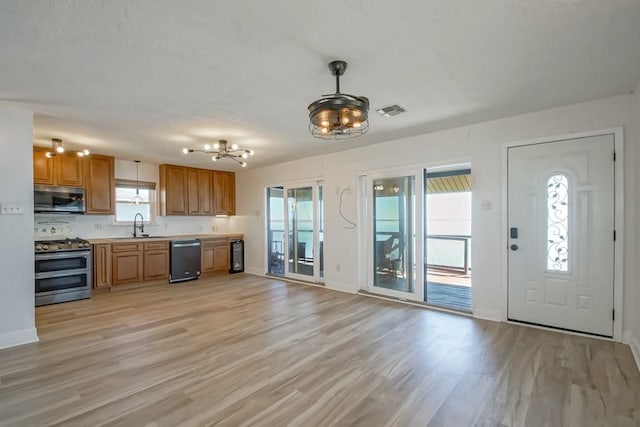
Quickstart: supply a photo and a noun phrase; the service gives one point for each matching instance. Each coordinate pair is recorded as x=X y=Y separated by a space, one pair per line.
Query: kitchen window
x=126 y=204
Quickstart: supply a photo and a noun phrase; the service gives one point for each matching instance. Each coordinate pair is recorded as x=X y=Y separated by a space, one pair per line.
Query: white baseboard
x=341 y=286
x=485 y=313
x=254 y=271
x=24 y=336
x=630 y=338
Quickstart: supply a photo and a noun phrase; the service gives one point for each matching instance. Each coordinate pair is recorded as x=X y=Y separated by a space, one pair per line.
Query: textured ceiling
x=142 y=79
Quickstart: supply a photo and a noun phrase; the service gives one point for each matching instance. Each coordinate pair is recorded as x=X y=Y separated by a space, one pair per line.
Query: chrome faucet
x=136 y=227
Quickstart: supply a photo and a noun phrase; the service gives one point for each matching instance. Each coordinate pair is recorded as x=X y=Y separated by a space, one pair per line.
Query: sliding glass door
x=393 y=229
x=294 y=232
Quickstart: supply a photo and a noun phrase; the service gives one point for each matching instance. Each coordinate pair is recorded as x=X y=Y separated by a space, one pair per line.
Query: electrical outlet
x=12 y=209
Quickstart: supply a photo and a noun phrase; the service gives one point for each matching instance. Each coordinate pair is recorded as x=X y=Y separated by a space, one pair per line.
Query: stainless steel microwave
x=58 y=199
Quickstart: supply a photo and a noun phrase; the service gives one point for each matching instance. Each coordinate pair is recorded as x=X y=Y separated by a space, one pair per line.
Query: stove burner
x=76 y=244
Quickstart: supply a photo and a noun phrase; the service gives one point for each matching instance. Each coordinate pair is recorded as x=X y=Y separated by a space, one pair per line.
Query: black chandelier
x=339 y=115
x=221 y=150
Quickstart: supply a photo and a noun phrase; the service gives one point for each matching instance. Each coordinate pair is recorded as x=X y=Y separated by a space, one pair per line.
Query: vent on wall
x=391 y=110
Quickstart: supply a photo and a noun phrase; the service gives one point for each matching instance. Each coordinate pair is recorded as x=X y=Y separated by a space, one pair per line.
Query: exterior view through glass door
x=295 y=235
x=393 y=228
x=447 y=238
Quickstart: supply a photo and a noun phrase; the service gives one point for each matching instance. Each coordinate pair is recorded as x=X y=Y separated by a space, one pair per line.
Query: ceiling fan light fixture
x=339 y=115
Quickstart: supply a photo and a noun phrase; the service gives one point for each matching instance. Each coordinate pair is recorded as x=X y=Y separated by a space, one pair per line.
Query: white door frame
x=315 y=184
x=618 y=271
x=367 y=231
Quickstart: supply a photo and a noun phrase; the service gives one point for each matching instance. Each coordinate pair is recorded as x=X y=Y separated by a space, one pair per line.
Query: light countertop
x=102 y=240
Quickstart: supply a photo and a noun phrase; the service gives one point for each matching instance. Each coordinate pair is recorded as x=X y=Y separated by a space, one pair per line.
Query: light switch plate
x=12 y=209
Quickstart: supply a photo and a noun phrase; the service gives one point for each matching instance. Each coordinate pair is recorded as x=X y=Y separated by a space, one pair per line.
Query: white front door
x=561 y=234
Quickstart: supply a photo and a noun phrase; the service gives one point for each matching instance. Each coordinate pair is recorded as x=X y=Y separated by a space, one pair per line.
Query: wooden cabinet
x=221 y=255
x=215 y=255
x=224 y=189
x=127 y=263
x=192 y=191
x=102 y=265
x=200 y=192
x=65 y=169
x=100 y=185
x=174 y=196
x=69 y=169
x=42 y=167
x=156 y=260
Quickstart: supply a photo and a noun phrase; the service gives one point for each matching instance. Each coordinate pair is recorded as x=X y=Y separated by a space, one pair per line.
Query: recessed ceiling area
x=143 y=80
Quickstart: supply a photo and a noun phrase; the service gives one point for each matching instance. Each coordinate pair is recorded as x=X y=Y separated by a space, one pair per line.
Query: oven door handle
x=63 y=255
x=62 y=273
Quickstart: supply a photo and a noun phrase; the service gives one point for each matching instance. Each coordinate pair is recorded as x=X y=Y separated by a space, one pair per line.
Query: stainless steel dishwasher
x=185 y=260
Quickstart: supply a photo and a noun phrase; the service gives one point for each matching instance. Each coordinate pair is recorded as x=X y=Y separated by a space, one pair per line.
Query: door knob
x=514 y=247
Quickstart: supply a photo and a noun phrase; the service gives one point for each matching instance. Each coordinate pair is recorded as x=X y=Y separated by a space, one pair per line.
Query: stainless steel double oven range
x=63 y=270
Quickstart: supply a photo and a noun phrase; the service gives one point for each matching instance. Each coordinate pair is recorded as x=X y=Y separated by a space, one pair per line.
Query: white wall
x=632 y=335
x=96 y=226
x=17 y=321
x=481 y=144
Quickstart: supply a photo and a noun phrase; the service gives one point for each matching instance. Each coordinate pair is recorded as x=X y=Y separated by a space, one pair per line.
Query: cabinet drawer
x=126 y=247
x=156 y=245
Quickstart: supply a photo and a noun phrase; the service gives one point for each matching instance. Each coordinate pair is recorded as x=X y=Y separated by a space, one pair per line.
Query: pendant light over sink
x=339 y=115
x=137 y=199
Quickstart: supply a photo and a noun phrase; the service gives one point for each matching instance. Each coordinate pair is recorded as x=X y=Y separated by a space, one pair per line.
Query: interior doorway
x=447 y=237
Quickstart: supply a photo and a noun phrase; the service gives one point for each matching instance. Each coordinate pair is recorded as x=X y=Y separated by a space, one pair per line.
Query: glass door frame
x=366 y=184
x=315 y=185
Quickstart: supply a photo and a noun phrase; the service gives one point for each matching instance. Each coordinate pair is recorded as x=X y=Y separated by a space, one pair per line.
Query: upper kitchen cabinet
x=42 y=167
x=174 y=190
x=200 y=191
x=100 y=185
x=193 y=191
x=65 y=169
x=224 y=189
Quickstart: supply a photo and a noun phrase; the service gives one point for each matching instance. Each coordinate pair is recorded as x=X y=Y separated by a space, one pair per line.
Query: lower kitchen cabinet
x=131 y=262
x=156 y=260
x=127 y=267
x=215 y=255
x=102 y=265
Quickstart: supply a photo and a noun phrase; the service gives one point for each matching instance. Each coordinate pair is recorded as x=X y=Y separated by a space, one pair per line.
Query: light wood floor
x=256 y=351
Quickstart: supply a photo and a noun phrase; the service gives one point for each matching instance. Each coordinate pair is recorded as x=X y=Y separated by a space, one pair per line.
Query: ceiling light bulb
x=345 y=120
x=216 y=146
x=244 y=155
x=214 y=158
x=243 y=164
x=207 y=147
x=324 y=123
x=251 y=152
x=185 y=150
x=234 y=146
x=60 y=149
x=356 y=124
x=80 y=153
x=48 y=154
x=324 y=130
x=86 y=152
